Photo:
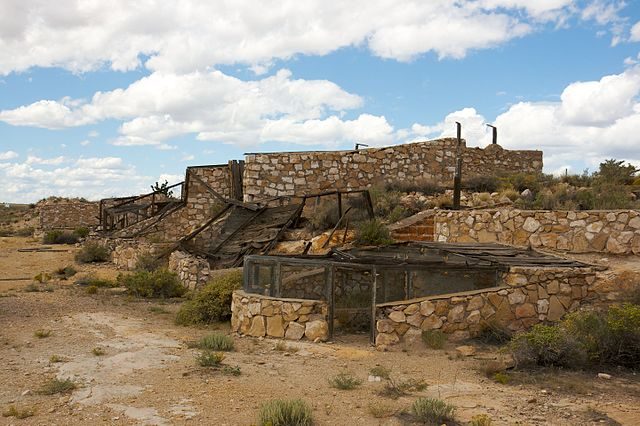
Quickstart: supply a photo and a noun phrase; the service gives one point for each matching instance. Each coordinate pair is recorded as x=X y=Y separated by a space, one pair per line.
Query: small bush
x=55 y=359
x=91 y=281
x=18 y=413
x=60 y=237
x=211 y=303
x=92 y=289
x=373 y=232
x=395 y=390
x=547 y=345
x=210 y=359
x=380 y=411
x=92 y=253
x=82 y=232
x=432 y=411
x=481 y=420
x=481 y=183
x=434 y=339
x=160 y=283
x=216 y=342
x=344 y=381
x=98 y=351
x=282 y=412
x=42 y=334
x=32 y=288
x=42 y=277
x=227 y=370
x=147 y=262
x=66 y=272
x=55 y=386
x=511 y=194
x=494 y=333
x=380 y=371
x=501 y=377
x=23 y=232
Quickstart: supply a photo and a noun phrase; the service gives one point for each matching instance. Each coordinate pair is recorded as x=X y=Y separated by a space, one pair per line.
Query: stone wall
x=525 y=297
x=612 y=231
x=125 y=253
x=259 y=316
x=69 y=215
x=299 y=173
x=193 y=271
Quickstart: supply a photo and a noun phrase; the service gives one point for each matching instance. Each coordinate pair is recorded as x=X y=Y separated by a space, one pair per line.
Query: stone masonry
x=611 y=231
x=526 y=297
x=299 y=173
x=258 y=316
x=193 y=271
x=68 y=215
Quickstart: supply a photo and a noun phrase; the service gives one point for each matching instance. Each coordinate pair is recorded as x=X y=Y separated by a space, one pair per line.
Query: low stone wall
x=259 y=316
x=527 y=296
x=299 y=173
x=193 y=271
x=69 y=215
x=610 y=231
x=125 y=253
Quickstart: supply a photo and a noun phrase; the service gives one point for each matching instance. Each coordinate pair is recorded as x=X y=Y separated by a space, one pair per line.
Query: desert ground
x=133 y=365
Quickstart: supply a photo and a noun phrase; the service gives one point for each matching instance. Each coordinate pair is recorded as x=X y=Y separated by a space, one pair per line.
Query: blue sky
x=101 y=100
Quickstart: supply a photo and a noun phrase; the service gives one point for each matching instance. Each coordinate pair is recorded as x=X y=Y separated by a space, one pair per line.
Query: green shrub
x=481 y=420
x=60 y=237
x=212 y=303
x=344 y=381
x=227 y=370
x=210 y=359
x=42 y=277
x=216 y=342
x=92 y=252
x=147 y=262
x=42 y=334
x=432 y=411
x=66 y=272
x=380 y=371
x=23 y=232
x=18 y=413
x=160 y=283
x=394 y=389
x=372 y=232
x=584 y=339
x=82 y=232
x=54 y=386
x=547 y=345
x=91 y=281
x=501 y=377
x=481 y=183
x=434 y=339
x=493 y=333
x=282 y=412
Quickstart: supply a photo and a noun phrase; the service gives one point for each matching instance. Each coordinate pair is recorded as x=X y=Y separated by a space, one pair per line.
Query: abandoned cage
x=353 y=282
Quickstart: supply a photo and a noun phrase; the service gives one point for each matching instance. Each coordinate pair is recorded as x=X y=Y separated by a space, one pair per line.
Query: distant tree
x=163 y=188
x=614 y=172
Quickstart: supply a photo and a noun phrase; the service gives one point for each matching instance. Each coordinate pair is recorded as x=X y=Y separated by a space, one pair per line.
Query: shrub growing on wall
x=212 y=303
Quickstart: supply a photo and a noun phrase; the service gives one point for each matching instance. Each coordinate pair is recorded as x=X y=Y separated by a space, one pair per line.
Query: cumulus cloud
x=32 y=159
x=8 y=155
x=92 y=178
x=163 y=106
x=193 y=35
x=593 y=121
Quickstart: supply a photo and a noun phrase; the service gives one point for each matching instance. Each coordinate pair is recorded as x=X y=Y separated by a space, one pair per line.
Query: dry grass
x=55 y=386
x=18 y=413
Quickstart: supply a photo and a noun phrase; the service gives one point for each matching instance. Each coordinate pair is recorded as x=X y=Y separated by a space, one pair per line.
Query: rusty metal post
x=457 y=177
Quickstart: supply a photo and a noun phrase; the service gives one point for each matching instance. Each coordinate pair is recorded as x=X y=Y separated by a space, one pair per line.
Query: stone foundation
x=68 y=215
x=193 y=271
x=526 y=297
x=259 y=316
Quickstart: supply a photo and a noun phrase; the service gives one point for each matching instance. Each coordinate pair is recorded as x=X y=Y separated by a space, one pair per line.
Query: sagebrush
x=159 y=283
x=283 y=412
x=212 y=303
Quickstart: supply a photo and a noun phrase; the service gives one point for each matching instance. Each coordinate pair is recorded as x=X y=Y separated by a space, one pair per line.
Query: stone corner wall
x=193 y=271
x=610 y=231
x=125 y=252
x=258 y=316
x=526 y=296
x=69 y=215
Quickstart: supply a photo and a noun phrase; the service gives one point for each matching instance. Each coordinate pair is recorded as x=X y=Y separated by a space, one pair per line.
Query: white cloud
x=85 y=142
x=593 y=121
x=188 y=157
x=163 y=106
x=8 y=155
x=635 y=32
x=193 y=35
x=31 y=159
x=93 y=134
x=92 y=178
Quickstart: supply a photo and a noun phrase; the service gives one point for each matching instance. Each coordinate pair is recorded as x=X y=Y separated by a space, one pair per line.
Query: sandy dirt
x=148 y=374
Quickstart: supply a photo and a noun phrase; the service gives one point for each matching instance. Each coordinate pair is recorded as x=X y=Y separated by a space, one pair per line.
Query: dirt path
x=143 y=371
